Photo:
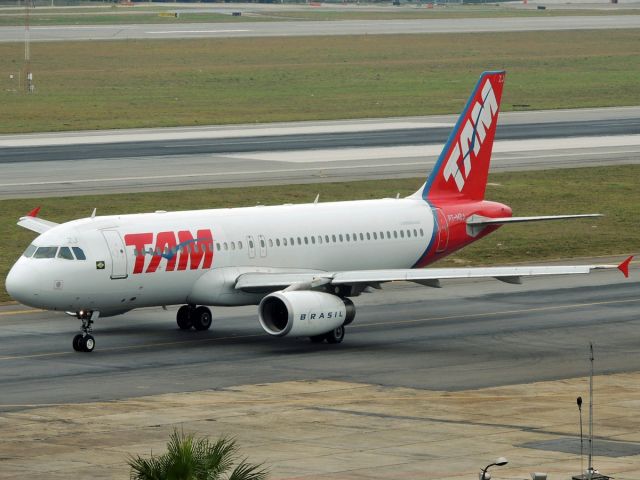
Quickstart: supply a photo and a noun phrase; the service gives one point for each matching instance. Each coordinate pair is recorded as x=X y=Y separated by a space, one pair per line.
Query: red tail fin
x=463 y=166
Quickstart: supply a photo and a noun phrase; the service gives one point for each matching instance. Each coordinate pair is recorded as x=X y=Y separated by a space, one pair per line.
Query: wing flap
x=428 y=276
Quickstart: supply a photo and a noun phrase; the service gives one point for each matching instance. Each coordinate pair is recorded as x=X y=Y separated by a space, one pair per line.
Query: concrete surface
x=316 y=28
x=335 y=430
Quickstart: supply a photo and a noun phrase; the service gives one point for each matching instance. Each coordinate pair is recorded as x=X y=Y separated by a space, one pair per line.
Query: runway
x=314 y=28
x=79 y=163
x=463 y=336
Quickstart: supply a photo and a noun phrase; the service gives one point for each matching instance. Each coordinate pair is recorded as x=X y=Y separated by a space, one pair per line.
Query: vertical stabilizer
x=463 y=166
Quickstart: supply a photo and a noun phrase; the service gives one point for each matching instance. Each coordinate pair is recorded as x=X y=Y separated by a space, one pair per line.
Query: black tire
x=77 y=343
x=317 y=338
x=183 y=317
x=88 y=343
x=335 y=336
x=201 y=318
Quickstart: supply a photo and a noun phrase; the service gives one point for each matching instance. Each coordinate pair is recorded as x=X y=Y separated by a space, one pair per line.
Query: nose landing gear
x=84 y=342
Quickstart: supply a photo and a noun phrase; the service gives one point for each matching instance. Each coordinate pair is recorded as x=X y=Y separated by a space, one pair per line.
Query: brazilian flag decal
x=100 y=265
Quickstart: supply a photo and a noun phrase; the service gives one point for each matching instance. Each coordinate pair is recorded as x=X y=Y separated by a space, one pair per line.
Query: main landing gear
x=334 y=336
x=191 y=316
x=84 y=342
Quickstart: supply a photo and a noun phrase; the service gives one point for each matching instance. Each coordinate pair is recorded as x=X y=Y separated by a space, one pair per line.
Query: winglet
x=34 y=212
x=624 y=266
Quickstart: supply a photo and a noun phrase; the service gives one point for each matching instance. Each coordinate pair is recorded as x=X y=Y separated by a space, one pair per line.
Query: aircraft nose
x=22 y=284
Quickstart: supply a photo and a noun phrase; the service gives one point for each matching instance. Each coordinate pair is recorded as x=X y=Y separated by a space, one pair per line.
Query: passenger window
x=326 y=238
x=277 y=242
x=284 y=242
x=375 y=235
x=270 y=243
x=347 y=237
x=226 y=247
x=333 y=237
x=421 y=233
x=368 y=236
x=46 y=252
x=313 y=240
x=340 y=237
x=381 y=235
x=262 y=244
x=415 y=232
x=388 y=234
x=239 y=245
x=29 y=251
x=79 y=253
x=299 y=241
x=218 y=246
x=233 y=245
x=401 y=233
x=320 y=239
x=65 y=252
x=361 y=236
x=250 y=244
x=395 y=234
x=306 y=240
x=292 y=241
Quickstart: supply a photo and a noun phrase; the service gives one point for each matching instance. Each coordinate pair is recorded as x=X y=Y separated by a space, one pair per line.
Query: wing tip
x=624 y=266
x=34 y=212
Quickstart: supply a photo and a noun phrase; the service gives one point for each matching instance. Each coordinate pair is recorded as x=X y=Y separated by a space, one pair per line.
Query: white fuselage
x=158 y=258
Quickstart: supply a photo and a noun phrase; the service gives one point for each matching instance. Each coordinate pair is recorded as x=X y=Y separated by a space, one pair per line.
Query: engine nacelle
x=302 y=313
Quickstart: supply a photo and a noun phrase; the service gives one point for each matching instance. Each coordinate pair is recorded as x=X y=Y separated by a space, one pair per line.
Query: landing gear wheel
x=335 y=336
x=84 y=342
x=201 y=318
x=88 y=343
x=317 y=338
x=183 y=317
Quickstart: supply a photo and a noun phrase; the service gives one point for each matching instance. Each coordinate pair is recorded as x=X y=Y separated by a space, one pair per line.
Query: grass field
x=103 y=85
x=612 y=191
x=149 y=14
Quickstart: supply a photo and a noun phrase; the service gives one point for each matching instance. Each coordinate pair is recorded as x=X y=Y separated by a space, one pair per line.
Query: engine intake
x=304 y=313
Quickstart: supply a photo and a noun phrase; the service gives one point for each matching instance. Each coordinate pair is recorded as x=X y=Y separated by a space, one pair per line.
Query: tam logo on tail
x=459 y=162
x=463 y=166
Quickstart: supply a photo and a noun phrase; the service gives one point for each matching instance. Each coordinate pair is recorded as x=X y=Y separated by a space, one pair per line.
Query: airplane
x=299 y=263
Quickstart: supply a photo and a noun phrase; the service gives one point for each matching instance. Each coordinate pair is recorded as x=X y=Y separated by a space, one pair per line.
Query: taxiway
x=465 y=335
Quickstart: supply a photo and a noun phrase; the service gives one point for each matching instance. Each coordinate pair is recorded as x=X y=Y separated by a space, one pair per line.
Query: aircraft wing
x=36 y=224
x=426 y=276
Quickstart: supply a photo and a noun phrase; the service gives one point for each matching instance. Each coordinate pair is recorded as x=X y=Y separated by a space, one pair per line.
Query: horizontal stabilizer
x=476 y=223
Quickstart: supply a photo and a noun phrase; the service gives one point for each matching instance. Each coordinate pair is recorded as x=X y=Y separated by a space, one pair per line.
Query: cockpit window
x=65 y=252
x=46 y=252
x=79 y=253
x=29 y=251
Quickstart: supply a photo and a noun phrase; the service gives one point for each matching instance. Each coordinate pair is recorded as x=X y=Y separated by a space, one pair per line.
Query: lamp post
x=500 y=461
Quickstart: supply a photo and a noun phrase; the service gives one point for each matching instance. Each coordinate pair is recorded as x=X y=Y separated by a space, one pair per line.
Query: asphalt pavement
x=465 y=335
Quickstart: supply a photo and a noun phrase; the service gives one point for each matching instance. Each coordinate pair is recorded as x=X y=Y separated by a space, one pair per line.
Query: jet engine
x=302 y=313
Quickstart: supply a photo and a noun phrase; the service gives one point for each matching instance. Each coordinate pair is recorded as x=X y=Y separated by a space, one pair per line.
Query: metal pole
x=591 y=414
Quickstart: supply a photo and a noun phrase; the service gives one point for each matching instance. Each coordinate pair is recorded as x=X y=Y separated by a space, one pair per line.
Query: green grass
x=610 y=190
x=103 y=85
x=121 y=18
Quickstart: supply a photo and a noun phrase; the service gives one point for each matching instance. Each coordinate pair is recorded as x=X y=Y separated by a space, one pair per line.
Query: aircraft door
x=443 y=231
x=118 y=254
x=263 y=246
x=251 y=246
